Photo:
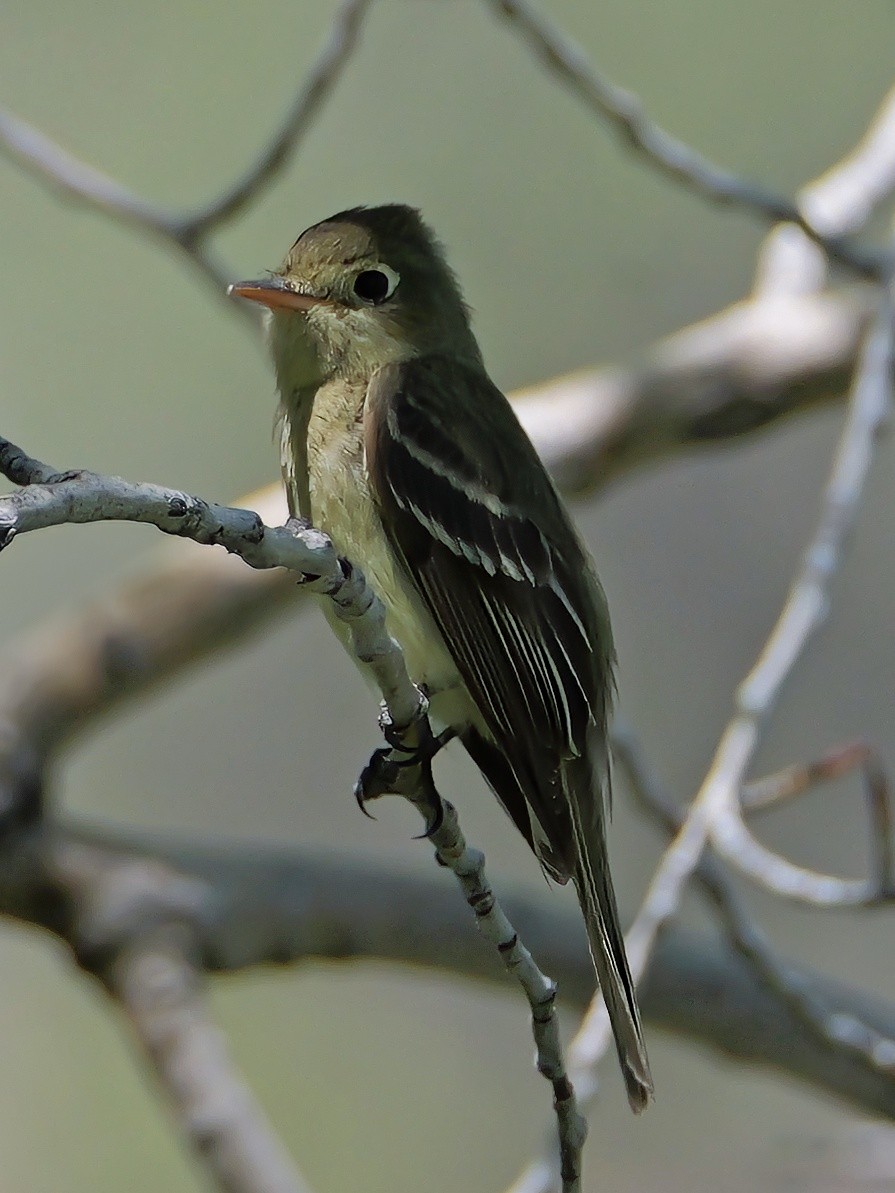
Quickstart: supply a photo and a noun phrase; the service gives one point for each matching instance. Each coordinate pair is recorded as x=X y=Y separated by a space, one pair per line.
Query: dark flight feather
x=496 y=559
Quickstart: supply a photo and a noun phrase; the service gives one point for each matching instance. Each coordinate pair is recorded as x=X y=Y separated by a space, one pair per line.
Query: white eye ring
x=376 y=284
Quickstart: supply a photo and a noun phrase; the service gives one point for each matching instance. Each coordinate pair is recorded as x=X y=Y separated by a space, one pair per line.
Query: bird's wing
x=484 y=537
x=468 y=506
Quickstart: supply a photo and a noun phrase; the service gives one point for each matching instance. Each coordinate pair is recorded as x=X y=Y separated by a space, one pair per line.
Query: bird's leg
x=404 y=767
x=426 y=745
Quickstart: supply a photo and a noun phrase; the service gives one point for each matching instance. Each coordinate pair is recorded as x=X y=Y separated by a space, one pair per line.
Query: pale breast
x=341 y=504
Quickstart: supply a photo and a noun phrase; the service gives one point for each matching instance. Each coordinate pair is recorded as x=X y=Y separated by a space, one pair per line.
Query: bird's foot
x=404 y=767
x=410 y=777
x=381 y=776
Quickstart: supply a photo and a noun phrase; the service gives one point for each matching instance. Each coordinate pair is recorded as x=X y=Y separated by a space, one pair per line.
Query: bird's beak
x=275 y=293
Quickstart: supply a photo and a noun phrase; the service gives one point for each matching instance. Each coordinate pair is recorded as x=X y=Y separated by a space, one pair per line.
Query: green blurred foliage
x=572 y=252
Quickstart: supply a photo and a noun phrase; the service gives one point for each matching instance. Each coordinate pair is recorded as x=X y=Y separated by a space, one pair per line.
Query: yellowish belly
x=341 y=504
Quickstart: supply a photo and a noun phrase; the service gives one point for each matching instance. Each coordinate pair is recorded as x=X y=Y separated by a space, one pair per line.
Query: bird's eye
x=376 y=285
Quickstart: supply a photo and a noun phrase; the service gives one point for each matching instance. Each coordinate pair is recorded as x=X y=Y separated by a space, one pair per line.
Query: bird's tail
x=607 y=947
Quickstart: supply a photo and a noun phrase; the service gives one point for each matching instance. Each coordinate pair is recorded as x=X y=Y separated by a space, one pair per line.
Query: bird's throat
x=296 y=355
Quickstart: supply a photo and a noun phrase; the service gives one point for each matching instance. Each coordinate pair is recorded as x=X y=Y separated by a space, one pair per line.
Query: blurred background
x=572 y=252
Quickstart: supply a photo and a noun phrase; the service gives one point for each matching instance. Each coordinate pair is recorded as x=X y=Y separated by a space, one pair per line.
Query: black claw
x=435 y=823
x=362 y=801
x=386 y=772
x=376 y=779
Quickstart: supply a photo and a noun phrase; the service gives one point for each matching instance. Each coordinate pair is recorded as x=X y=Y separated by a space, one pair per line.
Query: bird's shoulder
x=438 y=428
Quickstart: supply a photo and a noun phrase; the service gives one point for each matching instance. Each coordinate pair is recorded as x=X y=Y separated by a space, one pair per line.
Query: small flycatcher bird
x=395 y=442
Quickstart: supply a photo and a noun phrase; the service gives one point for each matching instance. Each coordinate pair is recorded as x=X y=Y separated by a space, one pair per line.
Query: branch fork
x=51 y=498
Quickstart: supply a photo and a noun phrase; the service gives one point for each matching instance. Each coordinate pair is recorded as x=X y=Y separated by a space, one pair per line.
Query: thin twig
x=713 y=814
x=759 y=795
x=405 y=769
x=805 y=610
x=468 y=865
x=774 y=872
x=187 y=231
x=672 y=156
x=77 y=181
x=831 y=1027
x=840 y=201
x=316 y=88
x=74 y=179
x=794 y=781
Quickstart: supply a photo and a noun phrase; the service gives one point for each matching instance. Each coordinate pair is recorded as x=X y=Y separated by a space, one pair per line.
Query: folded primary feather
x=503 y=573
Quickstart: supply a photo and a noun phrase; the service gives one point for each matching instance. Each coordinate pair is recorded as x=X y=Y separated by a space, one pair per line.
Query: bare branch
x=134 y=922
x=160 y=989
x=316 y=88
x=147 y=931
x=805 y=611
x=714 y=815
x=841 y=201
x=745 y=369
x=832 y=1028
x=625 y=111
x=250 y=905
x=81 y=183
x=50 y=499
x=184 y=231
x=77 y=497
x=469 y=867
x=75 y=180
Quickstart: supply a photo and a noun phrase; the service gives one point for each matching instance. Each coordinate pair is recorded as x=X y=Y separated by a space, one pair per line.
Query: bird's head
x=364 y=288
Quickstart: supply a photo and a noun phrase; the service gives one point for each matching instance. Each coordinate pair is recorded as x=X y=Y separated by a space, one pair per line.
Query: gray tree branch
x=625 y=112
x=135 y=924
x=260 y=905
x=48 y=498
x=187 y=232
x=160 y=989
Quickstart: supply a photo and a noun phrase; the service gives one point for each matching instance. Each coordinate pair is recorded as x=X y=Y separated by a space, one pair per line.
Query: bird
x=397 y=444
